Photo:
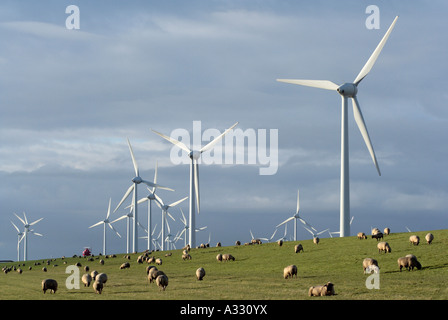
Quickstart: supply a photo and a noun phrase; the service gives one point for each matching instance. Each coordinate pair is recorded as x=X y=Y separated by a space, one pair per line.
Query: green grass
x=256 y=274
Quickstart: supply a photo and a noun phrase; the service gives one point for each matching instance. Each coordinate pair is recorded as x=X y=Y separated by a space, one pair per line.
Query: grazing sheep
x=154 y=274
x=86 y=268
x=151 y=260
x=227 y=257
x=162 y=281
x=101 y=262
x=316 y=240
x=384 y=246
x=49 y=284
x=101 y=277
x=386 y=231
x=19 y=271
x=377 y=236
x=362 y=235
x=219 y=257
x=98 y=287
x=125 y=265
x=280 y=242
x=200 y=273
x=93 y=274
x=218 y=244
x=238 y=243
x=186 y=256
x=298 y=248
x=375 y=231
x=415 y=240
x=86 y=279
x=290 y=271
x=44 y=269
x=368 y=262
x=429 y=237
x=149 y=268
x=409 y=262
x=325 y=290
x=158 y=261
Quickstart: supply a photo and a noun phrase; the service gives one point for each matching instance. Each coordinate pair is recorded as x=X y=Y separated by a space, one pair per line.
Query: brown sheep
x=325 y=290
x=298 y=248
x=429 y=237
x=409 y=262
x=384 y=246
x=49 y=284
x=415 y=240
x=153 y=274
x=290 y=271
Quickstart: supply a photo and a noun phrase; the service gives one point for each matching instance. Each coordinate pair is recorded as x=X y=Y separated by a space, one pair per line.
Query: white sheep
x=86 y=279
x=298 y=248
x=368 y=265
x=325 y=290
x=414 y=239
x=384 y=246
x=98 y=287
x=200 y=273
x=101 y=277
x=290 y=271
x=429 y=237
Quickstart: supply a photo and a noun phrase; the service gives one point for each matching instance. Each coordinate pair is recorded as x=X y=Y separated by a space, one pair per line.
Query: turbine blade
x=251 y=234
x=297 y=202
x=96 y=224
x=173 y=141
x=108 y=209
x=177 y=202
x=196 y=183
x=23 y=221
x=362 y=127
x=138 y=223
x=151 y=184
x=287 y=220
x=322 y=231
x=121 y=218
x=214 y=141
x=37 y=234
x=155 y=177
x=114 y=230
x=169 y=214
x=133 y=159
x=322 y=84
x=21 y=238
x=369 y=64
x=184 y=220
x=33 y=223
x=125 y=196
x=18 y=231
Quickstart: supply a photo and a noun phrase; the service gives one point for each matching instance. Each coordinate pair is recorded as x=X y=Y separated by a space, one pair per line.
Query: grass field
x=256 y=274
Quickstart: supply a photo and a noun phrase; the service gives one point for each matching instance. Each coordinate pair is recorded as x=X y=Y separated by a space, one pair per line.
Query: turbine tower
x=106 y=222
x=349 y=90
x=25 y=233
x=296 y=217
x=20 y=236
x=136 y=181
x=194 y=156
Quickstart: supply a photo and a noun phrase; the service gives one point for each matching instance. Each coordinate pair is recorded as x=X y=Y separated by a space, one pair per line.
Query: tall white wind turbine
x=194 y=156
x=20 y=236
x=105 y=223
x=296 y=217
x=136 y=181
x=165 y=212
x=349 y=90
x=25 y=233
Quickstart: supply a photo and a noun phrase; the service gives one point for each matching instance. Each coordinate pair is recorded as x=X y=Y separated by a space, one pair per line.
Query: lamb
x=290 y=271
x=298 y=248
x=101 y=277
x=200 y=273
x=362 y=235
x=415 y=240
x=49 y=284
x=219 y=257
x=162 y=281
x=384 y=246
x=367 y=262
x=227 y=257
x=377 y=236
x=86 y=279
x=325 y=290
x=98 y=287
x=429 y=237
x=409 y=262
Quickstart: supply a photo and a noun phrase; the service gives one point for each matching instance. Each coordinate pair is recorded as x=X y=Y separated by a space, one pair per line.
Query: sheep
x=98 y=287
x=153 y=274
x=290 y=271
x=415 y=240
x=227 y=257
x=384 y=246
x=377 y=236
x=219 y=257
x=238 y=243
x=325 y=290
x=86 y=279
x=298 y=248
x=149 y=268
x=362 y=235
x=429 y=237
x=409 y=262
x=49 y=284
x=316 y=240
x=86 y=268
x=218 y=244
x=158 y=261
x=186 y=256
x=200 y=273
x=162 y=281
x=93 y=274
x=151 y=260
x=367 y=262
x=101 y=277
x=101 y=262
x=125 y=265
x=375 y=231
x=386 y=231
x=280 y=242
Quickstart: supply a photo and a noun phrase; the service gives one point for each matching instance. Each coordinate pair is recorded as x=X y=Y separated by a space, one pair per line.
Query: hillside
x=256 y=274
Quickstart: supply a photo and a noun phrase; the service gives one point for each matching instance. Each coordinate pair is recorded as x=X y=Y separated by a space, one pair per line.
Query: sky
x=69 y=99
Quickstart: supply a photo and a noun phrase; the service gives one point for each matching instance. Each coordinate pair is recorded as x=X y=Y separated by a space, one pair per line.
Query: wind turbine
x=165 y=212
x=296 y=217
x=106 y=222
x=338 y=232
x=349 y=90
x=25 y=233
x=194 y=156
x=315 y=234
x=136 y=181
x=20 y=236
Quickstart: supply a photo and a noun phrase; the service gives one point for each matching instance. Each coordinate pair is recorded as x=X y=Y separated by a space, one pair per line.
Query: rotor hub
x=137 y=180
x=348 y=90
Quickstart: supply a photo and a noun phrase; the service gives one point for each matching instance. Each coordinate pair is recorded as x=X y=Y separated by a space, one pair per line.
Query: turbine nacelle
x=194 y=155
x=348 y=90
x=137 y=180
